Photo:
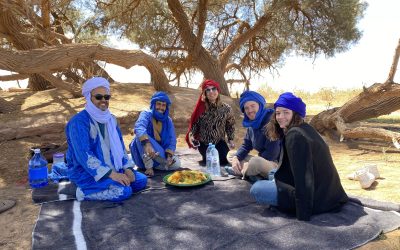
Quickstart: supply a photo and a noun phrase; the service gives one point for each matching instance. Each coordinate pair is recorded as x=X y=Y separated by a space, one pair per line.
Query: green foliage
x=307 y=27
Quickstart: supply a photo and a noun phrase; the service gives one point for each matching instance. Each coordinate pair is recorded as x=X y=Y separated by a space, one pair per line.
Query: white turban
x=93 y=83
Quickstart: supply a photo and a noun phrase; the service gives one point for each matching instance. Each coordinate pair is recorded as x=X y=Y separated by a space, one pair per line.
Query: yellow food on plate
x=187 y=177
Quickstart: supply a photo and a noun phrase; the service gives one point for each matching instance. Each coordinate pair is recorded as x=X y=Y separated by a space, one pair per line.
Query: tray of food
x=187 y=178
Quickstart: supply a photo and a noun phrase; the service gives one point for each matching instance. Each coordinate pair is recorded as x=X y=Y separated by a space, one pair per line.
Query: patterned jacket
x=215 y=123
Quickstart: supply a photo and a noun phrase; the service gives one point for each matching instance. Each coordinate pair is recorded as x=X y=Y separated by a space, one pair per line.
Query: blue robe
x=90 y=162
x=144 y=129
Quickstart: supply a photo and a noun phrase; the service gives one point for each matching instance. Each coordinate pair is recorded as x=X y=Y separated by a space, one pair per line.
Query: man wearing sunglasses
x=96 y=157
x=154 y=144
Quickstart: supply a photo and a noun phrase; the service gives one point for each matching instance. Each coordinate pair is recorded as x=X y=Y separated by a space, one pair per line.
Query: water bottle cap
x=36 y=150
x=58 y=155
x=209 y=144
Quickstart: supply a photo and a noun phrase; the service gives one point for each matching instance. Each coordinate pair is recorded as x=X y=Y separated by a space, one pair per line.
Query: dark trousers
x=222 y=148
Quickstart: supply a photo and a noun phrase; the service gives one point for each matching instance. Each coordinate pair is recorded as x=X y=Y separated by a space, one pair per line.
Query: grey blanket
x=220 y=214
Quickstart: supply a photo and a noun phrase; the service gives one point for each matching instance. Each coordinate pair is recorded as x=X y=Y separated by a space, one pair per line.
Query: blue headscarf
x=161 y=97
x=292 y=102
x=262 y=111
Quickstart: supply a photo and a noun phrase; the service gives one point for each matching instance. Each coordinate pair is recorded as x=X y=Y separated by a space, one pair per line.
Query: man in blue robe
x=155 y=142
x=96 y=158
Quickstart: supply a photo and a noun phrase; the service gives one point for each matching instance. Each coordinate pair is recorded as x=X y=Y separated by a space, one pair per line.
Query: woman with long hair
x=210 y=122
x=306 y=181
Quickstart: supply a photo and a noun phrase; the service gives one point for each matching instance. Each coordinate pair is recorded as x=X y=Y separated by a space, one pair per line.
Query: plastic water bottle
x=58 y=159
x=37 y=170
x=215 y=161
x=209 y=159
x=59 y=170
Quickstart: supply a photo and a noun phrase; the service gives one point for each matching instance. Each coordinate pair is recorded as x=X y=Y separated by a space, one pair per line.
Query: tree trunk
x=212 y=70
x=15 y=33
x=379 y=99
x=38 y=83
x=5 y=106
x=59 y=58
x=210 y=66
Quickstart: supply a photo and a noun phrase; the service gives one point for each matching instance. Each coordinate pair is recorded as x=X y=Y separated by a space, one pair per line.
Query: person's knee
x=139 y=183
x=261 y=165
x=127 y=193
x=255 y=189
x=256 y=162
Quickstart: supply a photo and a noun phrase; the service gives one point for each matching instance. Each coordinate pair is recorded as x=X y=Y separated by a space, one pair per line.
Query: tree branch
x=183 y=23
x=395 y=62
x=241 y=38
x=238 y=68
x=59 y=58
x=60 y=84
x=13 y=77
x=202 y=7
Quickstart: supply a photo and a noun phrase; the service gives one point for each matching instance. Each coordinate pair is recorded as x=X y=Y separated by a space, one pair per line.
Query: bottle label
x=38 y=173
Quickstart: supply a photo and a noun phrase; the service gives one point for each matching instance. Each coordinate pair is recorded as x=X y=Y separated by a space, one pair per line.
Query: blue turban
x=262 y=111
x=161 y=97
x=292 y=102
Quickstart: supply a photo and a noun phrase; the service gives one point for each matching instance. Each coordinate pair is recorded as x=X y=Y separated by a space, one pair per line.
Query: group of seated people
x=305 y=180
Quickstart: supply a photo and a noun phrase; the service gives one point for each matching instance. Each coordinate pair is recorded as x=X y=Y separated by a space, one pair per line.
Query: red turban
x=200 y=108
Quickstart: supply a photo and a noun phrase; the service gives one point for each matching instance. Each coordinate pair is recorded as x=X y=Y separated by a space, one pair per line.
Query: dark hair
x=274 y=132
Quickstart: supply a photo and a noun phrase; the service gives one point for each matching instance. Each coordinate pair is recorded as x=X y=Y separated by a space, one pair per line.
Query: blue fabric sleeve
x=125 y=161
x=142 y=123
x=172 y=136
x=245 y=148
x=78 y=133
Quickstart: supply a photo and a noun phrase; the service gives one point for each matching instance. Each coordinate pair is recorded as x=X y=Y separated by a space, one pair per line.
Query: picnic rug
x=219 y=214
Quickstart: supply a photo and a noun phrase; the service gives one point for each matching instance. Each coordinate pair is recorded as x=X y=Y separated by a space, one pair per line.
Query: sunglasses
x=208 y=90
x=99 y=97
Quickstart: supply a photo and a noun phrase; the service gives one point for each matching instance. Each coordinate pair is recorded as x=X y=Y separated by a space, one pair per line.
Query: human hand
x=195 y=143
x=149 y=172
x=170 y=160
x=130 y=174
x=148 y=149
x=231 y=144
x=120 y=178
x=236 y=165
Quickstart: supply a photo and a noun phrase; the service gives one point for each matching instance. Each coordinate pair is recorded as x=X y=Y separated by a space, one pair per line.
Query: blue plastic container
x=37 y=173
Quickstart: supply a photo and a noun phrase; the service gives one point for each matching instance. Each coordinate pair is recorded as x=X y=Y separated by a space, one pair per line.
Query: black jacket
x=307 y=181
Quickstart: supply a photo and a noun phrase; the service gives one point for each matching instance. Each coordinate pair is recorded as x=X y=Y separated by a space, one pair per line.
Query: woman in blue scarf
x=256 y=115
x=155 y=142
